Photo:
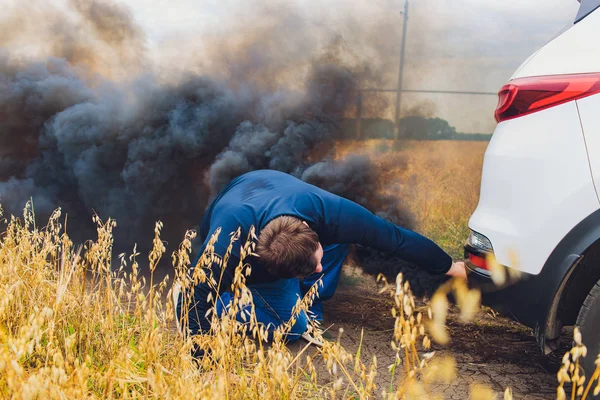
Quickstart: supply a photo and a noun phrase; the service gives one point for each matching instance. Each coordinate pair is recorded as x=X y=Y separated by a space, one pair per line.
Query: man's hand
x=458 y=270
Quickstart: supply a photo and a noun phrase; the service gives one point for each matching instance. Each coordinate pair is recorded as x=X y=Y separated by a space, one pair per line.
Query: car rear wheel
x=589 y=324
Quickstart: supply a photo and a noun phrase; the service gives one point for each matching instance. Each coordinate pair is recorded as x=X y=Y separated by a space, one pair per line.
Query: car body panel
x=589 y=113
x=536 y=186
x=540 y=204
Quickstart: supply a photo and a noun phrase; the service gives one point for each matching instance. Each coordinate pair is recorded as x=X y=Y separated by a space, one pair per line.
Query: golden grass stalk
x=571 y=372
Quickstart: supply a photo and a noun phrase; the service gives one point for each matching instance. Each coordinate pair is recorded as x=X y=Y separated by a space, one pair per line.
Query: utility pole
x=359 y=101
x=400 y=74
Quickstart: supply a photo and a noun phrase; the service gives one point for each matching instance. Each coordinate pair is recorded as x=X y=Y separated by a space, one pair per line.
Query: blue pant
x=274 y=301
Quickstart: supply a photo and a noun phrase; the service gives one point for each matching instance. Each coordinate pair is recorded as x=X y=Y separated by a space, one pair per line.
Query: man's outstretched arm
x=352 y=223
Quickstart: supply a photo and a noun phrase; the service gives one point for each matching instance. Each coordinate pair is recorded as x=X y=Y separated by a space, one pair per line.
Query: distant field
x=438 y=180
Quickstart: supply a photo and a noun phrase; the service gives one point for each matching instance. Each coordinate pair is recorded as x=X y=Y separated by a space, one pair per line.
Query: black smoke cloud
x=140 y=148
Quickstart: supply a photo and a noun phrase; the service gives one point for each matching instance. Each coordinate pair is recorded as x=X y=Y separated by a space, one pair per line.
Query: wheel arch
x=572 y=271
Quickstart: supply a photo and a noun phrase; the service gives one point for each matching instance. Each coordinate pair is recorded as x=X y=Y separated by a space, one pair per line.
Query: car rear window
x=586 y=8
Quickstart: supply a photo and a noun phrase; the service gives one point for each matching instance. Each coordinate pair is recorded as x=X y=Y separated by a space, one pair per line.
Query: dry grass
x=73 y=327
x=571 y=372
x=437 y=180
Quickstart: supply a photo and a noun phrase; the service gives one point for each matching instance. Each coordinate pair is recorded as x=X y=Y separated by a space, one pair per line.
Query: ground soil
x=492 y=350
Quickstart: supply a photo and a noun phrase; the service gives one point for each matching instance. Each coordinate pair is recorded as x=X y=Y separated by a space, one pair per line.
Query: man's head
x=288 y=248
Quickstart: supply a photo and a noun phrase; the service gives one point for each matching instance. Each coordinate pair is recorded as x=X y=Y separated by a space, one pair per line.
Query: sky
x=465 y=45
x=470 y=45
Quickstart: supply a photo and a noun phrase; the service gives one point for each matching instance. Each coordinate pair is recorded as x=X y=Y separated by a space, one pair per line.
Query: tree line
x=411 y=127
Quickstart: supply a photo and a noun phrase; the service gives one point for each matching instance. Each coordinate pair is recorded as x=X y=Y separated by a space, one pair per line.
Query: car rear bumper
x=530 y=299
x=515 y=299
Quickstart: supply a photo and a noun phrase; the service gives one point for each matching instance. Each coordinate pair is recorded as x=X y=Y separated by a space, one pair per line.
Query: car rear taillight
x=478 y=261
x=524 y=96
x=477 y=249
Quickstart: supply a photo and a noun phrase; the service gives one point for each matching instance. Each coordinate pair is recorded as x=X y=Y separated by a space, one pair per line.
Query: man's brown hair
x=286 y=247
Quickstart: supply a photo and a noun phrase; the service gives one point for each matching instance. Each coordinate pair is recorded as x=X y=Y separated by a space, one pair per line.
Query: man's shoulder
x=265 y=172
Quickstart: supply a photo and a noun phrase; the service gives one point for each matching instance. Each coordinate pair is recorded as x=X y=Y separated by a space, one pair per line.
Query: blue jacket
x=256 y=198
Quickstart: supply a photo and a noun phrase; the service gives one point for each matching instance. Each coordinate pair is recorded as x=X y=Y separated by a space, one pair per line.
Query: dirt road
x=492 y=350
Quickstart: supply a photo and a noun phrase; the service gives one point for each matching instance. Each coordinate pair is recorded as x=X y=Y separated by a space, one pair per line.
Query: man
x=303 y=235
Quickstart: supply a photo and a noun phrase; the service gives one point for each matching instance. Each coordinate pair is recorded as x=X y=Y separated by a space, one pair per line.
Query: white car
x=539 y=209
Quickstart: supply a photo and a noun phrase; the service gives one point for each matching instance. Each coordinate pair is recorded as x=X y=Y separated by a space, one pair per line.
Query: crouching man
x=303 y=235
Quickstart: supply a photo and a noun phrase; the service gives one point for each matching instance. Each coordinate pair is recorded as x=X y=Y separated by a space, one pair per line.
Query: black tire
x=589 y=324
